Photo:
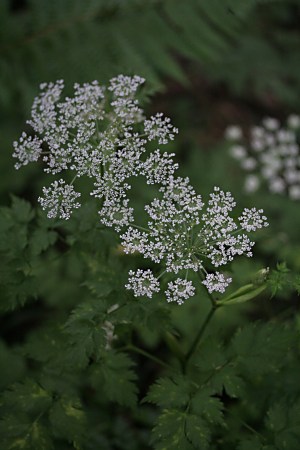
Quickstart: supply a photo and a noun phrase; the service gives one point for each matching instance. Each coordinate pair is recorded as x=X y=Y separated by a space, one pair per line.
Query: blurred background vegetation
x=208 y=64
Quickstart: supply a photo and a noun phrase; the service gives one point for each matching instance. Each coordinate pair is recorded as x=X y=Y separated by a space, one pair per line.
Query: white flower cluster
x=179 y=290
x=186 y=235
x=59 y=199
x=101 y=133
x=143 y=283
x=216 y=282
x=270 y=154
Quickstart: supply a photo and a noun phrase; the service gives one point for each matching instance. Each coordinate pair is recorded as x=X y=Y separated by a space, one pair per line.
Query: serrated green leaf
x=21 y=210
x=180 y=430
x=283 y=421
x=279 y=279
x=216 y=369
x=197 y=432
x=116 y=378
x=86 y=335
x=170 y=392
x=41 y=239
x=169 y=432
x=262 y=347
x=205 y=405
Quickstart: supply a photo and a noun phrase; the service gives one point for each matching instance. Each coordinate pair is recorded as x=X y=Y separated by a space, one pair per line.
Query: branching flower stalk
x=101 y=133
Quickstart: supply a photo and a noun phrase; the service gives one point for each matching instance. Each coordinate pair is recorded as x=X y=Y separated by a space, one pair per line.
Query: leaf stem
x=147 y=355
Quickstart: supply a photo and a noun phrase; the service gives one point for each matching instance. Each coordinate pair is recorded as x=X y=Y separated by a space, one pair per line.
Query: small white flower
x=158 y=168
x=43 y=112
x=127 y=110
x=233 y=133
x=134 y=241
x=270 y=123
x=257 y=133
x=252 y=219
x=238 y=152
x=27 y=149
x=179 y=290
x=258 y=145
x=142 y=283
x=125 y=86
x=293 y=121
x=59 y=199
x=294 y=192
x=252 y=183
x=249 y=163
x=116 y=214
x=286 y=136
x=160 y=127
x=216 y=282
x=277 y=185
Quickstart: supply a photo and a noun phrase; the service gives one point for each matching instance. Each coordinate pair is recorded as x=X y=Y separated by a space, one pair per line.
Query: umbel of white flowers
x=101 y=133
x=270 y=154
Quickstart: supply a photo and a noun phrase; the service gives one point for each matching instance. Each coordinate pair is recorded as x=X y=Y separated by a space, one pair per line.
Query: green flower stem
x=139 y=227
x=147 y=355
x=73 y=179
x=211 y=298
x=198 y=336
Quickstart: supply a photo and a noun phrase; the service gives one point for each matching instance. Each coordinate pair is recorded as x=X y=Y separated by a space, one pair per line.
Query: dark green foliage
x=194 y=405
x=51 y=36
x=20 y=251
x=282 y=279
x=53 y=40
x=114 y=375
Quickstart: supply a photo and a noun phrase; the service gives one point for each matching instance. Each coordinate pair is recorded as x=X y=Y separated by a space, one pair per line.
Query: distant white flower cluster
x=270 y=154
x=101 y=133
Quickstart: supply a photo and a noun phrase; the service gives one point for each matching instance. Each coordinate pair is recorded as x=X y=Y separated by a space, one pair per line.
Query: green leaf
x=170 y=392
x=21 y=210
x=262 y=348
x=12 y=365
x=296 y=284
x=197 y=432
x=180 y=430
x=27 y=396
x=68 y=419
x=86 y=336
x=169 y=433
x=41 y=239
x=115 y=377
x=205 y=405
x=283 y=421
x=278 y=279
x=18 y=433
x=216 y=369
